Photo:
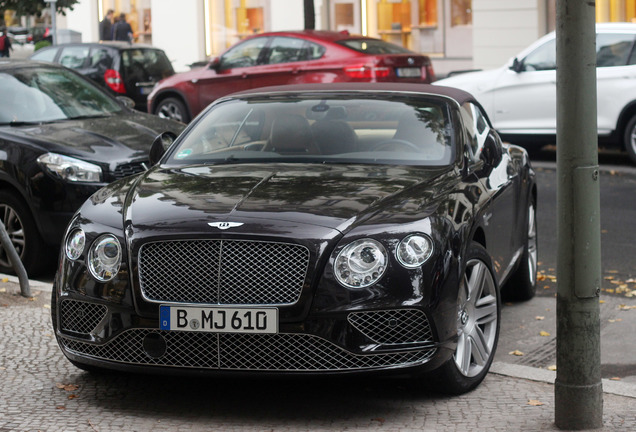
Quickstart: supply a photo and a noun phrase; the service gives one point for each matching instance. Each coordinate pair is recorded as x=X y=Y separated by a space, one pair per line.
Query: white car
x=520 y=97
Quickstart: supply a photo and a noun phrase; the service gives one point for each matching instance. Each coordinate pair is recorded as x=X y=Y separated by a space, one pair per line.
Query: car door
x=615 y=77
x=286 y=61
x=501 y=187
x=232 y=72
x=524 y=98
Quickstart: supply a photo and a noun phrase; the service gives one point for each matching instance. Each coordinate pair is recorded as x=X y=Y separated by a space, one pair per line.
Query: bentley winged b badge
x=225 y=225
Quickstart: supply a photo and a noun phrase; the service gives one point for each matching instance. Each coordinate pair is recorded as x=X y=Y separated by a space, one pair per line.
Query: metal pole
x=53 y=23
x=578 y=388
x=15 y=261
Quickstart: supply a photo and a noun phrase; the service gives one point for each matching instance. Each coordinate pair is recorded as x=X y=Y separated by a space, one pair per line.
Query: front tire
x=174 y=109
x=629 y=139
x=23 y=234
x=478 y=316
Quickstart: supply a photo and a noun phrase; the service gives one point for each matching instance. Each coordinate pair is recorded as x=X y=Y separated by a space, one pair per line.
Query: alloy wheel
x=477 y=319
x=170 y=110
x=15 y=229
x=532 y=244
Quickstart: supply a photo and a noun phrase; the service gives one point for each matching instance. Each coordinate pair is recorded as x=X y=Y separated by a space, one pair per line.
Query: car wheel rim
x=632 y=138
x=170 y=111
x=532 y=244
x=15 y=230
x=476 y=319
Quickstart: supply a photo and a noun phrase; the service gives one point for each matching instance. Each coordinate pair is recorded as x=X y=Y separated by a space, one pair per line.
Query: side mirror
x=492 y=151
x=215 y=64
x=517 y=65
x=126 y=101
x=159 y=146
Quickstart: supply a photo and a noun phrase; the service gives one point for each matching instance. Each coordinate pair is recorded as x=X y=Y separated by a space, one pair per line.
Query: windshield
x=41 y=94
x=312 y=128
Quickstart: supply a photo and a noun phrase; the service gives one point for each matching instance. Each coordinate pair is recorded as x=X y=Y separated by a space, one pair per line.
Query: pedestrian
x=5 y=43
x=106 y=26
x=122 y=30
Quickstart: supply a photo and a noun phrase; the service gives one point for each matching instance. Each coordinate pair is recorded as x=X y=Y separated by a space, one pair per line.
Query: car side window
x=542 y=58
x=101 y=58
x=614 y=49
x=287 y=49
x=46 y=55
x=74 y=57
x=243 y=55
x=476 y=127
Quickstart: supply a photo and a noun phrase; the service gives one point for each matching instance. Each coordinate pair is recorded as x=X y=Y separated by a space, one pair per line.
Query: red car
x=290 y=57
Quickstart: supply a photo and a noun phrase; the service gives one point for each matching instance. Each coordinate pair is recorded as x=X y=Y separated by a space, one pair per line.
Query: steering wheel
x=385 y=145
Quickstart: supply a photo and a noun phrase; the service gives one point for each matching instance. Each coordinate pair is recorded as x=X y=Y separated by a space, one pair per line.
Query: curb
x=546 y=376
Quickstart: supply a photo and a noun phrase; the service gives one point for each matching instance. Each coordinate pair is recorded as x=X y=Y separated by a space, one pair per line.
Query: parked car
x=330 y=228
x=121 y=68
x=520 y=97
x=287 y=58
x=61 y=139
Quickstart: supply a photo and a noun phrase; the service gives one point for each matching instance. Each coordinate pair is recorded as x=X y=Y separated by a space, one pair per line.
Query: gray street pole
x=578 y=388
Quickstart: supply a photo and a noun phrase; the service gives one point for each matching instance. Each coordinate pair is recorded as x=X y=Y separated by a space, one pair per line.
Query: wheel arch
x=8 y=184
x=626 y=114
x=168 y=94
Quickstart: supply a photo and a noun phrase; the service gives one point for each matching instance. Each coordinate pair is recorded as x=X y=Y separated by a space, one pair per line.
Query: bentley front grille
x=247 y=352
x=396 y=326
x=80 y=317
x=223 y=271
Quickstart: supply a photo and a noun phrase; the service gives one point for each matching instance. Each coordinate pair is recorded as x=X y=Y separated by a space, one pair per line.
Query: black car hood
x=332 y=196
x=118 y=137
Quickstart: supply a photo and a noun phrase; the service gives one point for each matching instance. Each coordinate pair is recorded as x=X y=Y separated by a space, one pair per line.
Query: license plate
x=408 y=72
x=145 y=90
x=218 y=319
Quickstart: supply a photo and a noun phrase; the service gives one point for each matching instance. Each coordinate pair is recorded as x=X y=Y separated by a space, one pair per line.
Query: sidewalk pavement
x=513 y=396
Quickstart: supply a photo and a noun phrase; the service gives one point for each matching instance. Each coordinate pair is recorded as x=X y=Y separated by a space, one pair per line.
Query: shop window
x=428 y=13
x=344 y=15
x=461 y=12
x=394 y=15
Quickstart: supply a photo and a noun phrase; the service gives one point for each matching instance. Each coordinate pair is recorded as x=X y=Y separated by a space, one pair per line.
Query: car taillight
x=366 y=71
x=114 y=81
x=428 y=74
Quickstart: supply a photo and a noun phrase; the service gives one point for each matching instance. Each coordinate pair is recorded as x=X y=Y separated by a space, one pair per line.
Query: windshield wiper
x=89 y=116
x=15 y=123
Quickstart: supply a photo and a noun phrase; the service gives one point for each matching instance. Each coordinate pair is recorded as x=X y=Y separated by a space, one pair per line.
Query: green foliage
x=34 y=7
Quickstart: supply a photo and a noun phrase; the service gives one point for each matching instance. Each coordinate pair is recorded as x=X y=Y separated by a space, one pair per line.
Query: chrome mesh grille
x=222 y=271
x=80 y=317
x=393 y=326
x=276 y=352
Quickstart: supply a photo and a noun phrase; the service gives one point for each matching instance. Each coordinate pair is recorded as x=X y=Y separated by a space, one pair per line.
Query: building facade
x=456 y=34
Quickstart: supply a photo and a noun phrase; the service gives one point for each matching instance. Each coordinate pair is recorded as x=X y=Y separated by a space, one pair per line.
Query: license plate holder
x=218 y=319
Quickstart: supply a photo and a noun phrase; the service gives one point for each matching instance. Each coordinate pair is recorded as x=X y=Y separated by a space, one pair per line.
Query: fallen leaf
x=631 y=280
x=379 y=420
x=534 y=402
x=544 y=333
x=67 y=387
x=515 y=353
x=625 y=307
x=73 y=396
x=539 y=318
x=609 y=278
x=615 y=320
x=601 y=301
x=60 y=407
x=612 y=271
x=5 y=280
x=3 y=290
x=615 y=378
x=47 y=306
x=551 y=367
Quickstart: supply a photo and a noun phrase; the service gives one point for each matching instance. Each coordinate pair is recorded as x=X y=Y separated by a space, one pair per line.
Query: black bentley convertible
x=315 y=229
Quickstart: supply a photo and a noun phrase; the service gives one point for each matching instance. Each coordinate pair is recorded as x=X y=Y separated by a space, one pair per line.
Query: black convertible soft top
x=460 y=96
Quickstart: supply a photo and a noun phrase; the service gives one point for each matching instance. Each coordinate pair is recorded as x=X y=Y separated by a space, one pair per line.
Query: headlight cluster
x=363 y=262
x=71 y=169
x=104 y=255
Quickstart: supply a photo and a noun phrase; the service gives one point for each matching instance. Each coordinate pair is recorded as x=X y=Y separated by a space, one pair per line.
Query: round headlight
x=104 y=258
x=361 y=263
x=414 y=250
x=75 y=243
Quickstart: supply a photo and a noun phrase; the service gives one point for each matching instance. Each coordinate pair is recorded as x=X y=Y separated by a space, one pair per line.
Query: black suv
x=122 y=68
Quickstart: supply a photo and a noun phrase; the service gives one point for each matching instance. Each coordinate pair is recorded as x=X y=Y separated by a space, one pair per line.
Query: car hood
x=119 y=137
x=187 y=199
x=475 y=83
